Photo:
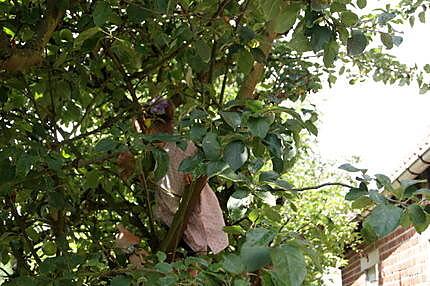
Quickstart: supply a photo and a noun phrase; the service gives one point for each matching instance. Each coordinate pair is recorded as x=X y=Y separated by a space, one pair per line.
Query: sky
x=381 y=124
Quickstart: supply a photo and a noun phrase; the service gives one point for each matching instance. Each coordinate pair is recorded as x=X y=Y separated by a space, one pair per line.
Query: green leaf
x=376 y=197
x=92 y=179
x=354 y=194
x=85 y=35
x=56 y=200
x=337 y=7
x=289 y=265
x=197 y=132
x=408 y=183
x=361 y=203
x=161 y=163
x=49 y=248
x=268 y=176
x=258 y=126
x=216 y=168
x=385 y=17
x=161 y=256
x=286 y=20
x=349 y=168
x=102 y=13
x=105 y=145
x=321 y=35
x=230 y=175
x=319 y=5
x=397 y=40
x=383 y=181
x=361 y=4
x=418 y=217
x=120 y=280
x=32 y=233
x=387 y=40
x=233 y=119
x=233 y=263
x=412 y=21
x=7 y=171
x=234 y=229
x=310 y=126
x=274 y=145
x=189 y=164
x=384 y=219
x=164 y=267
x=245 y=61
x=349 y=18
x=368 y=233
x=422 y=17
x=271 y=214
x=423 y=192
x=271 y=9
x=246 y=34
x=331 y=51
x=405 y=219
x=211 y=146
x=136 y=14
x=357 y=43
x=24 y=164
x=299 y=41
x=241 y=282
x=203 y=50
x=255 y=257
x=236 y=154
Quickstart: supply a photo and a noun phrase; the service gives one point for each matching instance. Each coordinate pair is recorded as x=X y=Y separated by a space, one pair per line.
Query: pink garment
x=206 y=222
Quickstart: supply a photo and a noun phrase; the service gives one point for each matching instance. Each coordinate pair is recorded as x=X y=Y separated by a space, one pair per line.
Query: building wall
x=402 y=258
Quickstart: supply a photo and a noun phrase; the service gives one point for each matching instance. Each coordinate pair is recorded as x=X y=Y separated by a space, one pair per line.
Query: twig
x=224 y=83
x=316 y=187
x=108 y=123
x=127 y=80
x=148 y=204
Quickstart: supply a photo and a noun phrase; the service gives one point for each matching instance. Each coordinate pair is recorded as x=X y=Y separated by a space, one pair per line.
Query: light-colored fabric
x=206 y=222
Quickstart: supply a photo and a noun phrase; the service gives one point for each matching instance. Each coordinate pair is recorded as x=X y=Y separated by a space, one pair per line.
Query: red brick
x=403 y=261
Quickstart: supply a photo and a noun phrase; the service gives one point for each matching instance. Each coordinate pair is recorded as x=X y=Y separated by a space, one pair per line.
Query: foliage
x=74 y=74
x=323 y=217
x=390 y=205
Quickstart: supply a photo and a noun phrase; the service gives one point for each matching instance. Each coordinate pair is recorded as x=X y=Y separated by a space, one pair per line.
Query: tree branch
x=189 y=200
x=254 y=76
x=317 y=187
x=19 y=59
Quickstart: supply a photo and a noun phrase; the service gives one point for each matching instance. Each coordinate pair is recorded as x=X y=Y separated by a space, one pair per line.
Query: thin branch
x=221 y=8
x=87 y=111
x=213 y=59
x=224 y=83
x=169 y=56
x=126 y=77
x=108 y=123
x=5 y=272
x=317 y=187
x=142 y=180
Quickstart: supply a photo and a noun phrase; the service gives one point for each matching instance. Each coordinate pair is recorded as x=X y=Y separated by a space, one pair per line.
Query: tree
x=75 y=73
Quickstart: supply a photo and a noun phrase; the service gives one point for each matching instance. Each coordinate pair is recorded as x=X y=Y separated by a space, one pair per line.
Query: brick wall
x=404 y=260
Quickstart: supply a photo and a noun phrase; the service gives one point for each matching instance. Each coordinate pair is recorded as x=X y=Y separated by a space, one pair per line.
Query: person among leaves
x=204 y=229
